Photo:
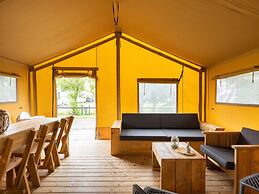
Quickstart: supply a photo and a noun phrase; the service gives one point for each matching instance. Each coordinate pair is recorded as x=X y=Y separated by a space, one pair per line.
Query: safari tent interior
x=200 y=57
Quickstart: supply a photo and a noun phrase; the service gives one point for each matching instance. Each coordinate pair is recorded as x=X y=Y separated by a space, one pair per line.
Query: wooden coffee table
x=179 y=173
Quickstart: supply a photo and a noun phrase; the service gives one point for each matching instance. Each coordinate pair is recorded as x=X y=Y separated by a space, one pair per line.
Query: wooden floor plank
x=91 y=169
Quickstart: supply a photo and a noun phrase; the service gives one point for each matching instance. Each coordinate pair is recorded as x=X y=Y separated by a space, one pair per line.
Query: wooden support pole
x=235 y=73
x=80 y=71
x=74 y=75
x=53 y=91
x=76 y=68
x=29 y=86
x=118 y=45
x=158 y=80
x=205 y=95
x=35 y=93
x=200 y=96
x=9 y=74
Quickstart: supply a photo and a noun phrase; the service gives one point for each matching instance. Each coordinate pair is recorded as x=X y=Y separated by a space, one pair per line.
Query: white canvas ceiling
x=202 y=31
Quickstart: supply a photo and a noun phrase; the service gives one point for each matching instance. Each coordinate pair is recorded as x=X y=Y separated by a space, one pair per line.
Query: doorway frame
x=73 y=72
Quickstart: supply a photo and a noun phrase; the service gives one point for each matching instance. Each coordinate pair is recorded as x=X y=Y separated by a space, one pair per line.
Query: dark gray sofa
x=134 y=134
x=160 y=127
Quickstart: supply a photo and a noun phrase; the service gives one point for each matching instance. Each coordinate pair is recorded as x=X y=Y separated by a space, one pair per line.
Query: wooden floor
x=91 y=169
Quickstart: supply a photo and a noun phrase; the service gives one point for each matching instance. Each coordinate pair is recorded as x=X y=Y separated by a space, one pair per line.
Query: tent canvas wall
x=135 y=63
x=214 y=34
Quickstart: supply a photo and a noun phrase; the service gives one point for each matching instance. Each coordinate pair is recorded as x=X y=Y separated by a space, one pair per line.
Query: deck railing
x=83 y=110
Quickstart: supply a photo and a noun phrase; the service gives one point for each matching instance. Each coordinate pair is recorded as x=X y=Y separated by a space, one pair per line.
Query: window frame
x=230 y=103
x=16 y=89
x=158 y=81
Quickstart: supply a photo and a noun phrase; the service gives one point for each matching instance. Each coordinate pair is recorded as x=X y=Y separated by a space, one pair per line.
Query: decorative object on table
x=185 y=150
x=23 y=116
x=174 y=142
x=4 y=121
x=188 y=149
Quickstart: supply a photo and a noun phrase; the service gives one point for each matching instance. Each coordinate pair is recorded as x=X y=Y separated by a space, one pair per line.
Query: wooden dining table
x=35 y=123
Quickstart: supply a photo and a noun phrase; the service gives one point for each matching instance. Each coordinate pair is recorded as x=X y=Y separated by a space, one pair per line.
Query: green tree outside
x=74 y=87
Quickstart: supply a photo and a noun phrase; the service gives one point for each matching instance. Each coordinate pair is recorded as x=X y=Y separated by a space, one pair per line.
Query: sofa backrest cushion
x=160 y=121
x=180 y=121
x=249 y=137
x=140 y=121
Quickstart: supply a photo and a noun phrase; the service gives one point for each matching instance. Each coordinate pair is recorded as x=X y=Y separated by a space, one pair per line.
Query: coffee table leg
x=167 y=175
x=155 y=163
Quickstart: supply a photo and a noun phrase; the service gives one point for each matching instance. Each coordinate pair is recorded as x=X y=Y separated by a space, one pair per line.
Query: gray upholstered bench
x=161 y=127
x=234 y=152
x=136 y=132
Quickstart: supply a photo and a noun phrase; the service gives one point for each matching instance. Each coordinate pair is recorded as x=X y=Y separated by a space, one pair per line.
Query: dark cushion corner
x=223 y=156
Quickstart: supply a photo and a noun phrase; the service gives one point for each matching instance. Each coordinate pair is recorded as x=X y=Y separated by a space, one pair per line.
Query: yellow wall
x=106 y=82
x=44 y=91
x=232 y=117
x=139 y=63
x=135 y=63
x=22 y=103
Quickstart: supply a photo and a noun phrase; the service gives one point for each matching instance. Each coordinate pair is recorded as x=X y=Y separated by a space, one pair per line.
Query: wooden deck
x=91 y=169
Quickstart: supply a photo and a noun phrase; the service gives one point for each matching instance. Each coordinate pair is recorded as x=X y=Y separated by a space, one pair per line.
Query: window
x=157 y=97
x=8 y=89
x=240 y=89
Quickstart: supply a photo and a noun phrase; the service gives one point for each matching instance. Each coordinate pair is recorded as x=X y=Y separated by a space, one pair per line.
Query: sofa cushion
x=223 y=156
x=143 y=134
x=249 y=137
x=179 y=121
x=140 y=121
x=185 y=134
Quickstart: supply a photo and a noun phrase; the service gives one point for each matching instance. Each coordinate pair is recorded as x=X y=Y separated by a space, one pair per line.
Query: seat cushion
x=185 y=134
x=223 y=156
x=140 y=121
x=249 y=137
x=143 y=134
x=179 y=121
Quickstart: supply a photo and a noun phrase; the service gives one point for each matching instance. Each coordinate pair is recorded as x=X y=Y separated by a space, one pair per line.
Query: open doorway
x=77 y=97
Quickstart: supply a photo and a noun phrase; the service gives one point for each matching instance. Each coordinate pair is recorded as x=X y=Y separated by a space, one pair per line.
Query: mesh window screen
x=240 y=89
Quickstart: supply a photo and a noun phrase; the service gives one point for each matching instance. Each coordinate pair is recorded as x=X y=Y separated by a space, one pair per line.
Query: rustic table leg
x=155 y=163
x=198 y=176
x=167 y=175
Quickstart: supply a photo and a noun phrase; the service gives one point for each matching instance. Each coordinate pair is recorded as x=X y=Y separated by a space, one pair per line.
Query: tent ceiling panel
x=205 y=32
x=34 y=30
